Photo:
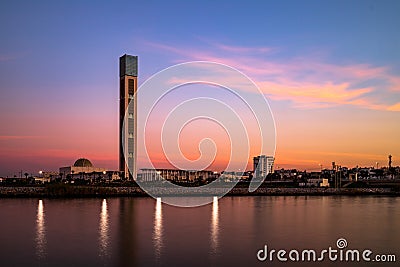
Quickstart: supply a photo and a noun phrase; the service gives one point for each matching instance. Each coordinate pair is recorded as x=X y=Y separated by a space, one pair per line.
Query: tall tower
x=128 y=68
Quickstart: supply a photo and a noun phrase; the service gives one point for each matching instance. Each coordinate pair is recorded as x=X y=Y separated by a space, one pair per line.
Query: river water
x=229 y=232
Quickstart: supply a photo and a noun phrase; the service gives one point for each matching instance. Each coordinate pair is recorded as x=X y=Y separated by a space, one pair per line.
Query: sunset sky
x=330 y=71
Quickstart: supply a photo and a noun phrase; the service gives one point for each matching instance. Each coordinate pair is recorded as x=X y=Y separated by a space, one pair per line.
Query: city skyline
x=332 y=81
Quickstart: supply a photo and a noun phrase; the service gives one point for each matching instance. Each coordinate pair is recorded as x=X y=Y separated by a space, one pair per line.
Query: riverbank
x=57 y=191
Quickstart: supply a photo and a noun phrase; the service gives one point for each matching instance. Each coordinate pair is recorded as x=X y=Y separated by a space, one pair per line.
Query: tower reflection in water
x=104 y=229
x=40 y=231
x=127 y=247
x=214 y=226
x=158 y=231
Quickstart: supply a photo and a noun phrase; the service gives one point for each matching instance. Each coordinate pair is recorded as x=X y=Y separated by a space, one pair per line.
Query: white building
x=148 y=175
x=262 y=166
x=83 y=169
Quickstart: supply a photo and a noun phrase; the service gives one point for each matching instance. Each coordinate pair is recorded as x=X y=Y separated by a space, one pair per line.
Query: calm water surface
x=228 y=232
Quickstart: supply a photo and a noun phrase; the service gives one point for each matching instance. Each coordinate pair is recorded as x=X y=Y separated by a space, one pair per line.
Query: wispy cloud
x=314 y=95
x=395 y=107
x=307 y=82
x=244 y=49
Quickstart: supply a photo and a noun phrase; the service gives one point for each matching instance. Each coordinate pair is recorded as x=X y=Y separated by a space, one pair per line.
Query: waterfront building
x=289 y=174
x=315 y=182
x=128 y=72
x=231 y=176
x=324 y=182
x=82 y=168
x=262 y=166
x=45 y=177
x=149 y=175
x=353 y=177
x=42 y=179
x=247 y=176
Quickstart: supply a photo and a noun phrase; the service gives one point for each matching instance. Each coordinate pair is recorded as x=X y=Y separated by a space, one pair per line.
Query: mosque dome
x=82 y=162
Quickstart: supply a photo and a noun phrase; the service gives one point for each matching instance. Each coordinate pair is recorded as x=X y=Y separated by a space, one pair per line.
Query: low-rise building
x=315 y=182
x=41 y=180
x=82 y=169
x=149 y=175
x=324 y=183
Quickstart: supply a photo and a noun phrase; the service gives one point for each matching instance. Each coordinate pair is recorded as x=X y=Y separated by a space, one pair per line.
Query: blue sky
x=62 y=33
x=59 y=66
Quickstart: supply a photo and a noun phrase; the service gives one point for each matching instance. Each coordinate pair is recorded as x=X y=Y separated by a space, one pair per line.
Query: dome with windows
x=82 y=162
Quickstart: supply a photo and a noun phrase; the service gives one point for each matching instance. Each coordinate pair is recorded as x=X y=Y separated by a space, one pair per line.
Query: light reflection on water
x=214 y=226
x=123 y=232
x=158 y=228
x=40 y=231
x=104 y=230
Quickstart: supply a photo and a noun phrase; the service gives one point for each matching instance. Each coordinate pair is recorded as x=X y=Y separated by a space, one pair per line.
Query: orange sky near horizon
x=350 y=136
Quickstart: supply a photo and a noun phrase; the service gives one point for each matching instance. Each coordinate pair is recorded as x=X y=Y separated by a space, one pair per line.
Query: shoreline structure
x=60 y=191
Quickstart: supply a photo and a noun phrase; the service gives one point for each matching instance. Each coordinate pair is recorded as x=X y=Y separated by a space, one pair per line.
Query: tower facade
x=128 y=69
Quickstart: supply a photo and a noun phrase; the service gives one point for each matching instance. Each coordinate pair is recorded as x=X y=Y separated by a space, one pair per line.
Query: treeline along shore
x=65 y=190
